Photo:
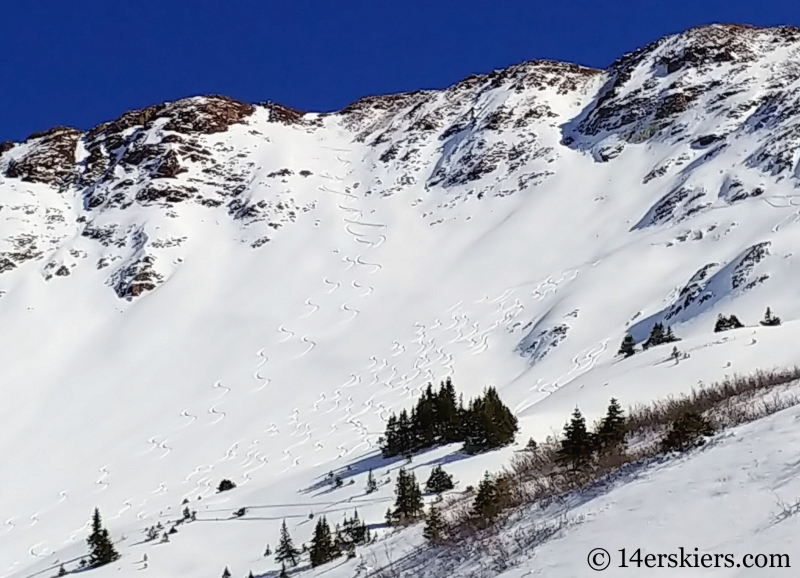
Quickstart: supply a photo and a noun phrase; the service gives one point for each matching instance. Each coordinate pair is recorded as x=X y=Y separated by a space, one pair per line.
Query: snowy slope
x=208 y=289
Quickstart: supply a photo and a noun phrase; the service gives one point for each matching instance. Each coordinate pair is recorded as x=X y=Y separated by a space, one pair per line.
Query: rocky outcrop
x=49 y=158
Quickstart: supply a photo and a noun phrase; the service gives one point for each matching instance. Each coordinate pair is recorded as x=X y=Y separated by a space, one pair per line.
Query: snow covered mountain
x=210 y=289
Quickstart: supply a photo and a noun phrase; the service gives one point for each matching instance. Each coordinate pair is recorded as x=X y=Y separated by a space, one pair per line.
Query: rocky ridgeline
x=489 y=135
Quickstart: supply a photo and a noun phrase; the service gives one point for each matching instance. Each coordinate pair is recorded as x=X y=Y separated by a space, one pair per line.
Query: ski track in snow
x=311 y=345
x=214 y=411
x=192 y=418
x=314 y=307
x=218 y=385
x=334 y=286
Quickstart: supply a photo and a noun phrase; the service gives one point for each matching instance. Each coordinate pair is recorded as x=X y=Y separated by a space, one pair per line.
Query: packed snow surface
x=208 y=289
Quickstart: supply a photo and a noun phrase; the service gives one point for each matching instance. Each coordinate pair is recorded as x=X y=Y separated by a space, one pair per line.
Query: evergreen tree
x=434 y=526
x=408 y=497
x=628 y=346
x=577 y=445
x=770 y=320
x=448 y=416
x=487 y=503
x=613 y=428
x=488 y=423
x=686 y=432
x=286 y=552
x=322 y=548
x=405 y=437
x=250 y=574
x=225 y=485
x=390 y=441
x=656 y=336
x=226 y=573
x=372 y=485
x=101 y=548
x=61 y=571
x=439 y=481
x=423 y=421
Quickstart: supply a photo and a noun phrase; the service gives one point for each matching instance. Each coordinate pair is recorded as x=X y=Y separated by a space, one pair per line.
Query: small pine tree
x=628 y=346
x=770 y=320
x=487 y=504
x=286 y=552
x=656 y=336
x=250 y=574
x=408 y=501
x=389 y=517
x=577 y=445
x=323 y=549
x=613 y=429
x=225 y=485
x=61 y=571
x=439 y=481
x=101 y=548
x=434 y=526
x=226 y=573
x=372 y=485
x=686 y=432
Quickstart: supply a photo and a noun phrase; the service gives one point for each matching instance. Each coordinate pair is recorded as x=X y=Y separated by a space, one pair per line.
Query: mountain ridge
x=210 y=289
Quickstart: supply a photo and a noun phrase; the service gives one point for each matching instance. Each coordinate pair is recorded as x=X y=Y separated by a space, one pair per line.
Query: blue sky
x=80 y=63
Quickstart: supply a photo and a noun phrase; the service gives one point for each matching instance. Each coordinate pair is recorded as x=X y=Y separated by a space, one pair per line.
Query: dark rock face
x=205 y=115
x=155 y=194
x=51 y=158
x=169 y=167
x=283 y=114
x=136 y=279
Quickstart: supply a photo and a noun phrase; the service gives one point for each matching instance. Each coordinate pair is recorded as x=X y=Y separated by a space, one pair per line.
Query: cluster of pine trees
x=732 y=322
x=580 y=446
x=659 y=335
x=727 y=323
x=326 y=545
x=439 y=418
